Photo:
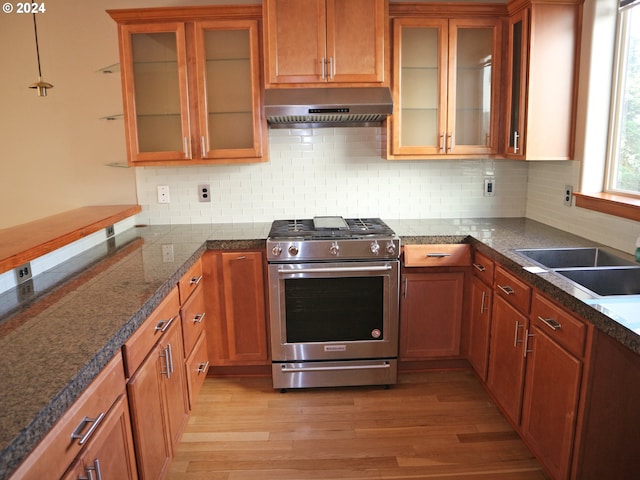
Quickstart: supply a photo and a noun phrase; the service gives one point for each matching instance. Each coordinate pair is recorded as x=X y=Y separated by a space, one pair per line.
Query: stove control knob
x=390 y=248
x=276 y=251
x=374 y=247
x=334 y=249
x=293 y=250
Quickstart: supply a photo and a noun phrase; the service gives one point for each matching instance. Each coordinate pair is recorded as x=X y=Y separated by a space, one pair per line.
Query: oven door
x=334 y=311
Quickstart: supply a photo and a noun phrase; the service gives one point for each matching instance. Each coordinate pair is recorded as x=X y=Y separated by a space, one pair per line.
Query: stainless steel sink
x=587 y=257
x=606 y=281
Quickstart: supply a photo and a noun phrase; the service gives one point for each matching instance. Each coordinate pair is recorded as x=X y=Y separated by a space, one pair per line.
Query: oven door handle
x=382 y=268
x=287 y=369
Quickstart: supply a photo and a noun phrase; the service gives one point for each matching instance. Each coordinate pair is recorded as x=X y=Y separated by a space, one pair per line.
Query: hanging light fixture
x=40 y=85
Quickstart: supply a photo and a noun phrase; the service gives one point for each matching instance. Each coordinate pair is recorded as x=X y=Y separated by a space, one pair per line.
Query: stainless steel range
x=333 y=292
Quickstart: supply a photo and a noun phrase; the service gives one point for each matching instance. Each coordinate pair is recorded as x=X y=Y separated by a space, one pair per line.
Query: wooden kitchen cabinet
x=481 y=299
x=191 y=85
x=96 y=426
x=505 y=377
x=554 y=374
x=109 y=454
x=542 y=74
x=157 y=388
x=431 y=303
x=446 y=86
x=236 y=325
x=324 y=41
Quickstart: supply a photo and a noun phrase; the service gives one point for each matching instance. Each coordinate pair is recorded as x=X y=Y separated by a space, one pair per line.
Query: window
x=623 y=169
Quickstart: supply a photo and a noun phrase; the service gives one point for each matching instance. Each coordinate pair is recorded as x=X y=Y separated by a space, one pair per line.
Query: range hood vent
x=327 y=107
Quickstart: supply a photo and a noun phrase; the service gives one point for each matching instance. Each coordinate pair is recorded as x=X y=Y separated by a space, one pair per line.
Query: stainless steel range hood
x=327 y=107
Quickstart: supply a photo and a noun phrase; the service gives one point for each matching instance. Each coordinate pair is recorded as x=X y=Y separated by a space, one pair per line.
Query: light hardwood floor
x=436 y=425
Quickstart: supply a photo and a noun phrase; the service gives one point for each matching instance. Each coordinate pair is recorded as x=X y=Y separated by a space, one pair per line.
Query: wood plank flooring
x=435 y=425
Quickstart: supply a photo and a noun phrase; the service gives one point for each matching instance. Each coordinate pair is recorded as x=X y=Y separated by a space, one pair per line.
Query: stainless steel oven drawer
x=334 y=374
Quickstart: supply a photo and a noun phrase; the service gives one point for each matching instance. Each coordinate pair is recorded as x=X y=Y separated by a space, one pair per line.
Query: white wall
x=332 y=171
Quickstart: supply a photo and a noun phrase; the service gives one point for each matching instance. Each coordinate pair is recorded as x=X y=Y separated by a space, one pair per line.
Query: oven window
x=334 y=309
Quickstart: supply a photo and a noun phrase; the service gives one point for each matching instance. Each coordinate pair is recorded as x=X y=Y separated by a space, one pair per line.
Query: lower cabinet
x=235 y=301
x=93 y=436
x=480 y=301
x=109 y=455
x=430 y=315
x=157 y=388
x=506 y=359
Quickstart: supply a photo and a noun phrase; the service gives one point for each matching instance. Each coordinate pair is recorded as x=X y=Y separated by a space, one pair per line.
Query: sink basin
x=606 y=281
x=554 y=258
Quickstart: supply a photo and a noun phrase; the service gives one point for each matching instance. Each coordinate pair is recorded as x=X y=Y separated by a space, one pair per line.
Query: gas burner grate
x=305 y=228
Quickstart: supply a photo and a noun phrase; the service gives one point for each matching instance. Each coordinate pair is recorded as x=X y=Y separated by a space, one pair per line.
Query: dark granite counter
x=56 y=340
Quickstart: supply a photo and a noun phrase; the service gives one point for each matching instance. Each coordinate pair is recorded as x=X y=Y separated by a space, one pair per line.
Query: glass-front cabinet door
x=516 y=86
x=229 y=89
x=155 y=80
x=445 y=87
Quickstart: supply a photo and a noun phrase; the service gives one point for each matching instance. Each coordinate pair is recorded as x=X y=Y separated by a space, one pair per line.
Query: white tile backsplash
x=332 y=172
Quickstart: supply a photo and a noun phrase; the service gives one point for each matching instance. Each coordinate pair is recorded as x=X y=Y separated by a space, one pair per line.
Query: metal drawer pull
x=515 y=334
x=203 y=367
x=162 y=325
x=527 y=335
x=322 y=63
x=168 y=361
x=195 y=280
x=479 y=267
x=482 y=306
x=77 y=433
x=95 y=468
x=437 y=255
x=507 y=289
x=286 y=369
x=199 y=317
x=170 y=351
x=552 y=323
x=203 y=147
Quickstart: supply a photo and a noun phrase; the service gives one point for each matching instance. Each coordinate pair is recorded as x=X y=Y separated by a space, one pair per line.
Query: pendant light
x=40 y=85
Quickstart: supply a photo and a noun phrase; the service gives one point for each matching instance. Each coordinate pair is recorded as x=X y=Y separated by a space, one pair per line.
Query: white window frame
x=618 y=88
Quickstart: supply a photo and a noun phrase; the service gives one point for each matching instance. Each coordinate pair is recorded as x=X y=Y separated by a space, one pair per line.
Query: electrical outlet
x=167 y=252
x=163 y=194
x=204 y=193
x=489 y=187
x=568 y=195
x=110 y=231
x=23 y=273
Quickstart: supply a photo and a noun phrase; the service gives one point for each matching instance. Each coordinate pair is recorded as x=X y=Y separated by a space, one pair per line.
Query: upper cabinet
x=322 y=42
x=542 y=73
x=446 y=84
x=191 y=85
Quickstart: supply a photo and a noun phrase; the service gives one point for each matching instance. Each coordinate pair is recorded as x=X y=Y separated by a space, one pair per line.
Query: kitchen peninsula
x=54 y=347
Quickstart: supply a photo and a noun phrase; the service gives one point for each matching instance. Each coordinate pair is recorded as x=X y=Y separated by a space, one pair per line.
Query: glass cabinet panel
x=228 y=86
x=158 y=93
x=474 y=69
x=420 y=88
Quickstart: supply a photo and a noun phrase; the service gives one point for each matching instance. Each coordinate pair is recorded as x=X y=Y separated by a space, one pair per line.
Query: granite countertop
x=55 y=340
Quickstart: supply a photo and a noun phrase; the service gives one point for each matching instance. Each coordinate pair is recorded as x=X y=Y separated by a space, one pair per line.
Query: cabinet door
x=506 y=359
x=236 y=330
x=153 y=449
x=295 y=40
x=154 y=78
x=174 y=384
x=355 y=41
x=227 y=57
x=551 y=394
x=480 y=323
x=431 y=315
x=420 y=86
x=516 y=81
x=473 y=92
x=109 y=454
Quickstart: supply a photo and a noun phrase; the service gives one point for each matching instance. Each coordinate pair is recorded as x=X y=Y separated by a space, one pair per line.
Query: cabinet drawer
x=190 y=281
x=145 y=337
x=483 y=268
x=561 y=326
x=197 y=365
x=78 y=425
x=514 y=291
x=444 y=255
x=193 y=318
